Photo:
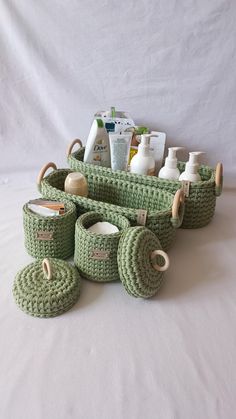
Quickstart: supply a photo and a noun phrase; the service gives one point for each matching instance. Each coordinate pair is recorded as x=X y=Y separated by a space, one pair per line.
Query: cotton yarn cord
x=110 y=194
x=136 y=268
x=50 y=236
x=39 y=296
x=96 y=254
x=199 y=205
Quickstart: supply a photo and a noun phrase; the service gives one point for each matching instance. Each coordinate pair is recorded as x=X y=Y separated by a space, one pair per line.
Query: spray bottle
x=143 y=162
x=170 y=171
x=191 y=168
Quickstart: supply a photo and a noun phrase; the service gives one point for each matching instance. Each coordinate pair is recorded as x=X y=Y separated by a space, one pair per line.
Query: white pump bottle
x=170 y=170
x=143 y=162
x=191 y=168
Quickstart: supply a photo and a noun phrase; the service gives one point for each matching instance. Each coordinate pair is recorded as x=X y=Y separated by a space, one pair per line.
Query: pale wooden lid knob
x=47 y=268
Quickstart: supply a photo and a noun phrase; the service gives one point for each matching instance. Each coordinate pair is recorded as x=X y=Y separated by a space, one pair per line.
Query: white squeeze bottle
x=97 y=149
x=191 y=168
x=143 y=162
x=170 y=170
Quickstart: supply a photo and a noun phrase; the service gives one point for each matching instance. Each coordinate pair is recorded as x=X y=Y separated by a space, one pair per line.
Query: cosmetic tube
x=119 y=148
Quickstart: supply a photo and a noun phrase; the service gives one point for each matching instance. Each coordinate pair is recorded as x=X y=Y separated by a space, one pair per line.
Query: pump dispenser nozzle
x=191 y=168
x=193 y=157
x=145 y=139
x=171 y=159
x=170 y=170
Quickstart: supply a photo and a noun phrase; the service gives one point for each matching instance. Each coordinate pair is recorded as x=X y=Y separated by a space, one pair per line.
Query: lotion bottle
x=170 y=170
x=143 y=162
x=191 y=168
x=97 y=149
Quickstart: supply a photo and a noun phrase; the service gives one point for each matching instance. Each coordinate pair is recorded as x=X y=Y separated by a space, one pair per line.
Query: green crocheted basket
x=96 y=254
x=140 y=204
x=50 y=236
x=201 y=197
x=46 y=288
x=140 y=261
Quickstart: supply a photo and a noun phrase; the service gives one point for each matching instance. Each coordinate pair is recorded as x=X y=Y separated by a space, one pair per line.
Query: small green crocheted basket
x=140 y=204
x=200 y=200
x=46 y=288
x=96 y=254
x=50 y=236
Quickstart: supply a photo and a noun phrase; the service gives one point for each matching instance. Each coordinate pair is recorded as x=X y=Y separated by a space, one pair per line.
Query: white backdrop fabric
x=171 y=64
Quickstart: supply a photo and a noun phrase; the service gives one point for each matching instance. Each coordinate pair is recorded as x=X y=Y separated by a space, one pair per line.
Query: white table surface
x=116 y=357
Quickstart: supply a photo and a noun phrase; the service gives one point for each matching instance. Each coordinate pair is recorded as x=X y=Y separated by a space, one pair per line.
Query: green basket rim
x=79 y=224
x=68 y=213
x=150 y=214
x=176 y=183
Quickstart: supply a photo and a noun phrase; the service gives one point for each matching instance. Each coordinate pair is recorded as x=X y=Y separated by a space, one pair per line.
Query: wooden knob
x=47 y=268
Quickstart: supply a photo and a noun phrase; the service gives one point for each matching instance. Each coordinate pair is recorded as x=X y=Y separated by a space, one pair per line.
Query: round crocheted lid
x=46 y=288
x=141 y=262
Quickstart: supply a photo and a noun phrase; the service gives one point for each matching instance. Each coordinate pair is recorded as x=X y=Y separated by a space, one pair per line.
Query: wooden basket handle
x=47 y=268
x=70 y=146
x=178 y=208
x=219 y=179
x=166 y=258
x=43 y=170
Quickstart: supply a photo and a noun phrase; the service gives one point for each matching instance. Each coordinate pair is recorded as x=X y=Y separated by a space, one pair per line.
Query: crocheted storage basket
x=200 y=200
x=158 y=209
x=50 y=236
x=46 y=288
x=96 y=254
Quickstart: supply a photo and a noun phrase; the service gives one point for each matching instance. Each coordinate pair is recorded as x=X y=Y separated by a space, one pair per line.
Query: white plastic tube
x=119 y=148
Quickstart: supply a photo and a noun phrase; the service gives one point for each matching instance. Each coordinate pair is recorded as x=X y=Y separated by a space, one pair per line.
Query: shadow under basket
x=200 y=197
x=159 y=210
x=50 y=236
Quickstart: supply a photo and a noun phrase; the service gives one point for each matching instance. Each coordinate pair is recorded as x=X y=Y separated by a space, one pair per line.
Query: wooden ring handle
x=166 y=258
x=178 y=199
x=70 y=146
x=47 y=268
x=43 y=170
x=219 y=174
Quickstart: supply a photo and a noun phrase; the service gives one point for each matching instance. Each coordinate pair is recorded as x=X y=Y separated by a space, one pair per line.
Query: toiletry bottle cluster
x=115 y=142
x=170 y=170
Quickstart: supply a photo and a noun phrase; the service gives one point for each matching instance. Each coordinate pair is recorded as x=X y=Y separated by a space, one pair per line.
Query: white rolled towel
x=103 y=227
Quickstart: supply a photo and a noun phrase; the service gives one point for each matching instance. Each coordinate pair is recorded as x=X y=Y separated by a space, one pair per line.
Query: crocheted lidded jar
x=133 y=255
x=47 y=288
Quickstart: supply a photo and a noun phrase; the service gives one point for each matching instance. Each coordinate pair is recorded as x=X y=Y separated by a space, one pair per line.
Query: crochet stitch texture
x=39 y=296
